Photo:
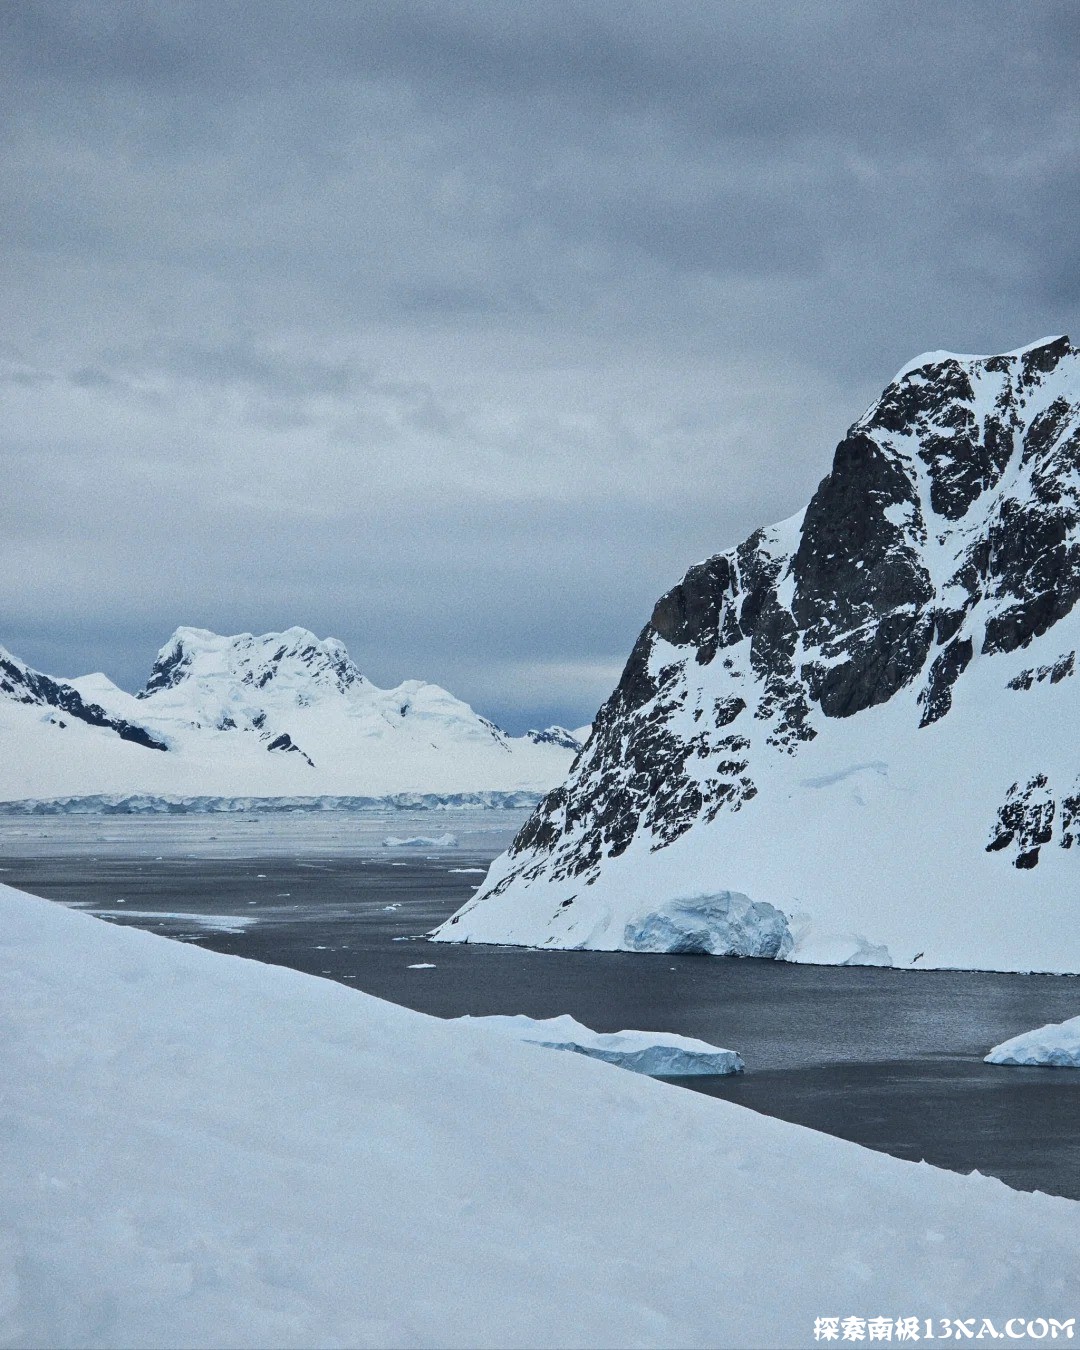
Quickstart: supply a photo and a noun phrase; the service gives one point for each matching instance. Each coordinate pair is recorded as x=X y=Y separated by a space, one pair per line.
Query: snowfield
x=652 y=1052
x=1056 y=1045
x=204 y=1151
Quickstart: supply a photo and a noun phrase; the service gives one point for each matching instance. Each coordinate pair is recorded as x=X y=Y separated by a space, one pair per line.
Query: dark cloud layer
x=460 y=330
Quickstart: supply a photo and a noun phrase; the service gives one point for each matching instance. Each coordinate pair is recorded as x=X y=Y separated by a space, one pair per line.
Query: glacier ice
x=421 y=841
x=142 y=803
x=725 y=923
x=1056 y=1045
x=656 y=1053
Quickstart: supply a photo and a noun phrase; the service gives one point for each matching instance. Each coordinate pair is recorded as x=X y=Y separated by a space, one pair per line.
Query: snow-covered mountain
x=57 y=702
x=283 y=714
x=852 y=737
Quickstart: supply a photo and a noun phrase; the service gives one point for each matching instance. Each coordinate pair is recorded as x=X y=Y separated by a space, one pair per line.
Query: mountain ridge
x=248 y=717
x=945 y=538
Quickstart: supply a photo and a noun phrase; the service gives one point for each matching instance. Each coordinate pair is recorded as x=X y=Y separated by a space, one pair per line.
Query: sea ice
x=222 y=923
x=421 y=841
x=656 y=1053
x=1056 y=1045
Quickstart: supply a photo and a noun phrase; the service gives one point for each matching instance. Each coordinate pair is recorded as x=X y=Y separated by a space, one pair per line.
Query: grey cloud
x=461 y=330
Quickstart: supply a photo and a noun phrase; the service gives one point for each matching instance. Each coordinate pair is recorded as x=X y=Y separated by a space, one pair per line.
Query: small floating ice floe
x=1057 y=1046
x=421 y=841
x=466 y=871
x=422 y=965
x=658 y=1053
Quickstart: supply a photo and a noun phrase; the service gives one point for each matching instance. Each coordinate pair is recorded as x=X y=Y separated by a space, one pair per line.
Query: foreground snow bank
x=1057 y=1045
x=652 y=1052
x=200 y=1150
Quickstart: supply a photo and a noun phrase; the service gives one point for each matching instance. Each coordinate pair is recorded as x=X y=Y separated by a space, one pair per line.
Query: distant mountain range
x=853 y=738
x=280 y=715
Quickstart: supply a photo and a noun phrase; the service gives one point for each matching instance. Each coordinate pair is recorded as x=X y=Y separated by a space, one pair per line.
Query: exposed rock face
x=947 y=531
x=559 y=736
x=20 y=684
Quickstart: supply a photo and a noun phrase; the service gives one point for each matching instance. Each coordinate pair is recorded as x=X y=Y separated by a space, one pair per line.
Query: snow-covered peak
x=98 y=688
x=938 y=358
x=281 y=714
x=556 y=735
x=296 y=663
x=892 y=671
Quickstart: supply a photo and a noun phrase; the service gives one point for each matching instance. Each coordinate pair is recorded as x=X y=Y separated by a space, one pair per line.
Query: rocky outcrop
x=947 y=531
x=20 y=684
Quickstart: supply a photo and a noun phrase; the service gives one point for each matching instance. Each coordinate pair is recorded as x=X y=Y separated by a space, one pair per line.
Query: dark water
x=890 y=1059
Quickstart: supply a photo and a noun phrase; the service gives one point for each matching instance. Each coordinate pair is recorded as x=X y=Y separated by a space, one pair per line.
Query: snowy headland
x=845 y=740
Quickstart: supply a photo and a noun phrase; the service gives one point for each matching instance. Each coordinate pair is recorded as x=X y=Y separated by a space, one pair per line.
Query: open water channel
x=891 y=1059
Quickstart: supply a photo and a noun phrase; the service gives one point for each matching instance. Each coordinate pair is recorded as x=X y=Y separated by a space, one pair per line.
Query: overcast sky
x=459 y=330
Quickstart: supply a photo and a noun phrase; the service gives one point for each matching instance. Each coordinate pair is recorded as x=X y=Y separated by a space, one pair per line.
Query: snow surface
x=222 y=705
x=650 y=1052
x=200 y=1150
x=1057 y=1045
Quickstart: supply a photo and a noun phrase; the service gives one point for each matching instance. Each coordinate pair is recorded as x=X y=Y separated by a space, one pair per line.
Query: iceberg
x=1057 y=1045
x=657 y=1053
x=725 y=924
x=421 y=841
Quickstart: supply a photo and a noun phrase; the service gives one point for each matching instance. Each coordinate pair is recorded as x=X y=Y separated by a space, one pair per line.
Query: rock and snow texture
x=861 y=719
x=1056 y=1045
x=657 y=1053
x=45 y=702
x=284 y=714
x=200 y=1150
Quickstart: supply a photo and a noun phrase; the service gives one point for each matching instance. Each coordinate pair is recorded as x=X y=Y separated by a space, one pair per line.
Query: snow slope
x=283 y=714
x=850 y=738
x=200 y=1150
x=1057 y=1045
